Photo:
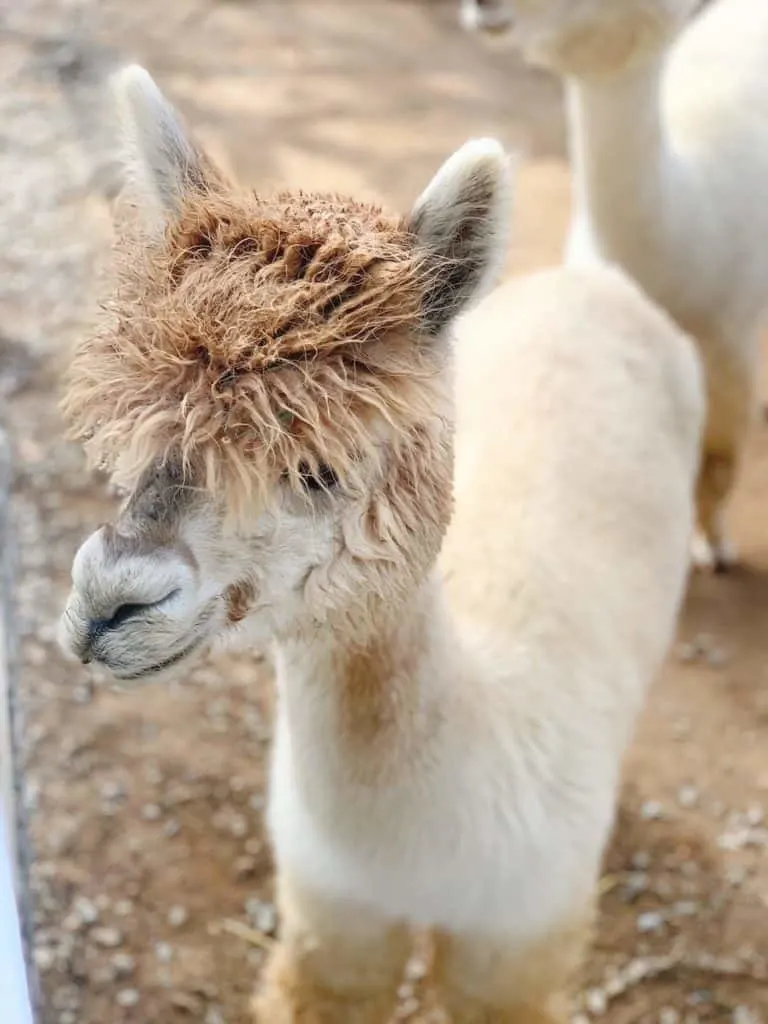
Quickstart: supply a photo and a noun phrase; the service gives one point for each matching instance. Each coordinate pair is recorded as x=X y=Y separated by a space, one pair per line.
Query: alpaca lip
x=160 y=666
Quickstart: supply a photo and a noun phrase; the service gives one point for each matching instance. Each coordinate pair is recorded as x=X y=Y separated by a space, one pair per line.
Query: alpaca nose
x=124 y=613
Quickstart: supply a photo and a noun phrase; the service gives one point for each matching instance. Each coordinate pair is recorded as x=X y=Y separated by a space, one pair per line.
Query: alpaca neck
x=352 y=703
x=625 y=171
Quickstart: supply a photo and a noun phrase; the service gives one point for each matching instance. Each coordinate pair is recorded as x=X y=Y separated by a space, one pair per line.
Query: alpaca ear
x=161 y=163
x=462 y=222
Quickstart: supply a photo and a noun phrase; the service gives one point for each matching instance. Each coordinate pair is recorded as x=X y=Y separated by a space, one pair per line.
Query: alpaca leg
x=336 y=963
x=711 y=545
x=487 y=980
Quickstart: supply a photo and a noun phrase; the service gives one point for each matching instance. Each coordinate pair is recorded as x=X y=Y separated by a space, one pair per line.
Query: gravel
x=128 y=997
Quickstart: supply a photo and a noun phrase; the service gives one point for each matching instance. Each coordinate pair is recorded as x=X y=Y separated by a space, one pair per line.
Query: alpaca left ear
x=462 y=223
x=161 y=162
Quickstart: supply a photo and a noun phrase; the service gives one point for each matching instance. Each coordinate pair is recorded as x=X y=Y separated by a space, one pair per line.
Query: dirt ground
x=151 y=878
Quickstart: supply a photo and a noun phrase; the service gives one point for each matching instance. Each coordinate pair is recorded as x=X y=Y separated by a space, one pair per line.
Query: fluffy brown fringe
x=254 y=337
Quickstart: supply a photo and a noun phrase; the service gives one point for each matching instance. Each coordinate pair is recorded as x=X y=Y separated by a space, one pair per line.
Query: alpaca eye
x=323 y=479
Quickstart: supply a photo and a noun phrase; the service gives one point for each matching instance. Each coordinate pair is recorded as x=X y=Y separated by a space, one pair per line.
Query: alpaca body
x=669 y=166
x=278 y=393
x=482 y=798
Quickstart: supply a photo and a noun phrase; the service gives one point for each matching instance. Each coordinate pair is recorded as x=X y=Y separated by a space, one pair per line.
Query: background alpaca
x=671 y=173
x=446 y=755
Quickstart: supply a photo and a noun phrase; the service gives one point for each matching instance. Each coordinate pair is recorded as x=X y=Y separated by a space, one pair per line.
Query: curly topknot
x=254 y=337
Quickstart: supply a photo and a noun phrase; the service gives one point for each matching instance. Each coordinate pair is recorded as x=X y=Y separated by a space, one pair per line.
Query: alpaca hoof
x=723 y=562
x=718 y=558
x=702 y=556
x=484 y=18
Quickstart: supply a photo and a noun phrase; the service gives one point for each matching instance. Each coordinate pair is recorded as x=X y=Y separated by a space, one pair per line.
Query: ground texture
x=151 y=879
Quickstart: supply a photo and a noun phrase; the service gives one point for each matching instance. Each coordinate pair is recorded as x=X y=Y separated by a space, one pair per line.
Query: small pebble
x=596 y=1002
x=124 y=964
x=102 y=977
x=745 y=1015
x=164 y=952
x=717 y=658
x=409 y=1007
x=668 y=1015
x=127 y=997
x=687 y=653
x=45 y=958
x=172 y=827
x=636 y=884
x=245 y=867
x=755 y=815
x=263 y=915
x=82 y=694
x=651 y=810
x=688 y=796
x=641 y=860
x=151 y=812
x=187 y=1001
x=736 y=875
x=109 y=938
x=699 y=998
x=416 y=969
x=112 y=790
x=685 y=908
x=177 y=916
x=650 y=921
x=153 y=775
x=124 y=908
x=238 y=826
x=86 y=910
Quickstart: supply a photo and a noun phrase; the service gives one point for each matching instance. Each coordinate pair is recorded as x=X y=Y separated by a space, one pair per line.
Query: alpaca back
x=579 y=416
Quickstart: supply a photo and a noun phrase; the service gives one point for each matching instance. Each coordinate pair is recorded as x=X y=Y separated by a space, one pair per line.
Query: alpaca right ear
x=160 y=161
x=462 y=223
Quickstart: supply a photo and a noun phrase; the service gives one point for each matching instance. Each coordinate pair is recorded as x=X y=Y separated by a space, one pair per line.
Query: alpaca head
x=584 y=38
x=272 y=390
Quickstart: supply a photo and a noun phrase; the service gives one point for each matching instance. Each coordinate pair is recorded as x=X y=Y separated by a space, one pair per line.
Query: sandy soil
x=151 y=878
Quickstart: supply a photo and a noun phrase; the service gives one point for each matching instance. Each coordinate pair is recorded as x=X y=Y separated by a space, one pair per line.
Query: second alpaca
x=670 y=160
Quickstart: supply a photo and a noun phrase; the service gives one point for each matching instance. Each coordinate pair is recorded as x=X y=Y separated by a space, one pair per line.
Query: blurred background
x=149 y=879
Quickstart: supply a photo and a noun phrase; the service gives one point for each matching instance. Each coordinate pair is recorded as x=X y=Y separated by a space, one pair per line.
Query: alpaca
x=484 y=15
x=670 y=163
x=277 y=390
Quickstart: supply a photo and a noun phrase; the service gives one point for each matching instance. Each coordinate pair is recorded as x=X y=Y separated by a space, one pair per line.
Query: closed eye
x=324 y=478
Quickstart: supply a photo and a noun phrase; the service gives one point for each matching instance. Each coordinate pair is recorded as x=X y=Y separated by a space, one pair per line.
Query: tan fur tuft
x=255 y=336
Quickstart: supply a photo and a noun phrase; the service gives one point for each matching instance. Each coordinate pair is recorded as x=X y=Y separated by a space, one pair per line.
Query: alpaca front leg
x=490 y=980
x=712 y=548
x=336 y=963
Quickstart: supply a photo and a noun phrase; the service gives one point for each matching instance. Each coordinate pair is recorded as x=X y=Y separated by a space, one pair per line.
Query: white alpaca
x=670 y=158
x=449 y=736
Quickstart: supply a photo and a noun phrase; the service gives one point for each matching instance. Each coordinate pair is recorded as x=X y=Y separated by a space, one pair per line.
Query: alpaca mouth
x=161 y=666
